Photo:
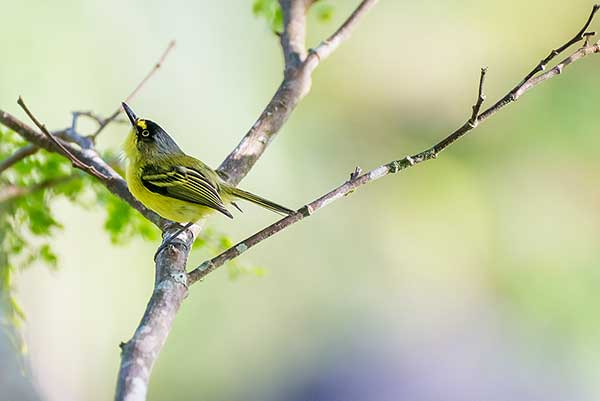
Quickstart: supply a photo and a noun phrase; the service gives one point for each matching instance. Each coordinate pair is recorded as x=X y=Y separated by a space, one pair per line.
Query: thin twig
x=519 y=89
x=71 y=134
x=329 y=45
x=74 y=160
x=114 y=182
x=480 y=99
x=139 y=86
x=140 y=353
x=579 y=36
x=390 y=168
x=296 y=84
x=95 y=117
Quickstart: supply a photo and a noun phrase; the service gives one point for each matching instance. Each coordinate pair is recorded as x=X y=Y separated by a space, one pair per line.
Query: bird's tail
x=267 y=204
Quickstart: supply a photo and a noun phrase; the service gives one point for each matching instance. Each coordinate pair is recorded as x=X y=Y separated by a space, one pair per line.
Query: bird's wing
x=186 y=184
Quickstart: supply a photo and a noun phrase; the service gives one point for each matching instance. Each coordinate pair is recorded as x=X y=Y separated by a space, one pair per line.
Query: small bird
x=177 y=186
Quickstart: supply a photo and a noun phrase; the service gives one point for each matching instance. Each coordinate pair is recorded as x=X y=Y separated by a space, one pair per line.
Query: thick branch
x=395 y=166
x=294 y=33
x=151 y=334
x=296 y=84
x=139 y=354
x=239 y=162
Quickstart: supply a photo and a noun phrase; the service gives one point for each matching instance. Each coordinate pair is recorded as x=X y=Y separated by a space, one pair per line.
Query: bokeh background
x=468 y=278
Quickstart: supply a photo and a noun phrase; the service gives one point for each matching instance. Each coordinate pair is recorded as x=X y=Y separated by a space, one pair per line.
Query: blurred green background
x=471 y=277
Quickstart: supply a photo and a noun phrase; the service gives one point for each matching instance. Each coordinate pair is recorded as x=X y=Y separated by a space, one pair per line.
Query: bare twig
x=70 y=134
x=67 y=134
x=296 y=84
x=522 y=86
x=114 y=182
x=330 y=44
x=171 y=284
x=579 y=36
x=66 y=152
x=100 y=120
x=139 y=86
x=480 y=99
x=390 y=168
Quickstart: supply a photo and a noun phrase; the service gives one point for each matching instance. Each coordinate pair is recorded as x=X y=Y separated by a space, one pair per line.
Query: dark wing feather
x=186 y=184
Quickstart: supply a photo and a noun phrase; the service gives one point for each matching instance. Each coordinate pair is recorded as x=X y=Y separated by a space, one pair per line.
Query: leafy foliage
x=26 y=219
x=122 y=221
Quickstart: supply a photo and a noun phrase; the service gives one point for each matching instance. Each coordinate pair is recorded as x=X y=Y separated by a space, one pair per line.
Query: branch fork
x=171 y=278
x=357 y=178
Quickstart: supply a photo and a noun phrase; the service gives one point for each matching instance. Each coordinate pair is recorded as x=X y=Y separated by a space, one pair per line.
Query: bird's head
x=147 y=140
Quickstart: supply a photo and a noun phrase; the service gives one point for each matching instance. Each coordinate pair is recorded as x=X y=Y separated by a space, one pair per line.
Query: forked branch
x=70 y=133
x=329 y=45
x=63 y=149
x=171 y=286
x=140 y=353
x=395 y=166
x=299 y=66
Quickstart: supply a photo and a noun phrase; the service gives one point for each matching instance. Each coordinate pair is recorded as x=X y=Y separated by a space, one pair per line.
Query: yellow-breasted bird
x=177 y=186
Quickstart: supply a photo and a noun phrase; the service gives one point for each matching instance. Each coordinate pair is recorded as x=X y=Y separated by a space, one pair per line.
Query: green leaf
x=270 y=10
x=38 y=213
x=119 y=214
x=47 y=255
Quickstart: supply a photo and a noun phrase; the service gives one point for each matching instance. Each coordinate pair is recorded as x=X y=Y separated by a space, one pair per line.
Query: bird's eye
x=145 y=133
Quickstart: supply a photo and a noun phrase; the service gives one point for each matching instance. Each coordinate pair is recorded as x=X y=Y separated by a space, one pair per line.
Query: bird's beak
x=130 y=113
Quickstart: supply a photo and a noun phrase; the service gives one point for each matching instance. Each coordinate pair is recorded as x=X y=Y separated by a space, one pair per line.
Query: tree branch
x=329 y=45
x=137 y=361
x=70 y=134
x=296 y=84
x=171 y=281
x=16 y=157
x=294 y=33
x=90 y=169
x=356 y=180
x=170 y=289
x=114 y=182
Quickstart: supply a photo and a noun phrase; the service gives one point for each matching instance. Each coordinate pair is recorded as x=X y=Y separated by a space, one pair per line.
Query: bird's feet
x=169 y=240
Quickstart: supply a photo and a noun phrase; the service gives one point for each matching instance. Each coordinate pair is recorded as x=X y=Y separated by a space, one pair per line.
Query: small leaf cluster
x=26 y=221
x=270 y=10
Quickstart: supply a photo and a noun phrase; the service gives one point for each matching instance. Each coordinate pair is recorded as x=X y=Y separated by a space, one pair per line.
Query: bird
x=175 y=185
